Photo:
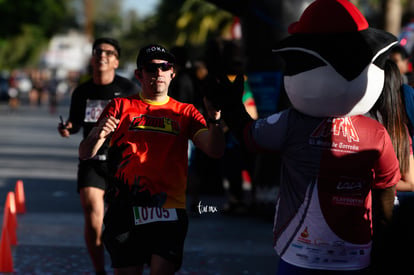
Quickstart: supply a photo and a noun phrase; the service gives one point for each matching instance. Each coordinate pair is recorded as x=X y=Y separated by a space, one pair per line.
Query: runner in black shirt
x=88 y=101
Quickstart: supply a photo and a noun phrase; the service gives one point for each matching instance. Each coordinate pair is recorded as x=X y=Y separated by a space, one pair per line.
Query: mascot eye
x=300 y=62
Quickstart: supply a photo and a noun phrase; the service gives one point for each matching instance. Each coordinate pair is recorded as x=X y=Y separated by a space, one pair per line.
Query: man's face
x=105 y=58
x=156 y=76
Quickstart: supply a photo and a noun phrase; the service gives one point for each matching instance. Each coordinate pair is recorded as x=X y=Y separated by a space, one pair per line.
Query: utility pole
x=88 y=10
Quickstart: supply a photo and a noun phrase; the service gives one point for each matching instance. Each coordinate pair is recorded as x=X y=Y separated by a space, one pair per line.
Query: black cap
x=107 y=40
x=153 y=51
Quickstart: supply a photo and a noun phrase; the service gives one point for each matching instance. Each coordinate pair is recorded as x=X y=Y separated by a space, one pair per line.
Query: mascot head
x=333 y=60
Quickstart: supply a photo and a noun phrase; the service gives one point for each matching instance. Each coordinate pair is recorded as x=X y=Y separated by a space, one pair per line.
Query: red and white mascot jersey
x=332 y=155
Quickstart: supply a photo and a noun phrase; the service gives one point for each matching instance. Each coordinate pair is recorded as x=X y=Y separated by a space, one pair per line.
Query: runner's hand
x=107 y=126
x=64 y=129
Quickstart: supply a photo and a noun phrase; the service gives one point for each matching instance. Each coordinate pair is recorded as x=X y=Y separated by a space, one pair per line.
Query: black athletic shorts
x=132 y=245
x=92 y=173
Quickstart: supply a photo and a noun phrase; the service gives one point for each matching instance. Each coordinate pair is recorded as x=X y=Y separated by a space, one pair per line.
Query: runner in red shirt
x=146 y=220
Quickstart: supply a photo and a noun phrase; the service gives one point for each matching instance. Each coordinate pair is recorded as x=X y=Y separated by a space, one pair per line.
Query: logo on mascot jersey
x=336 y=126
x=156 y=124
x=324 y=135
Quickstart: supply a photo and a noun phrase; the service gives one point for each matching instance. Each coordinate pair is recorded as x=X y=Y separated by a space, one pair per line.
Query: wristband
x=214 y=121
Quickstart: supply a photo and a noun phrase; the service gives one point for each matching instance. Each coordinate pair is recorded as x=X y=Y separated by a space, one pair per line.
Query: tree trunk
x=392 y=16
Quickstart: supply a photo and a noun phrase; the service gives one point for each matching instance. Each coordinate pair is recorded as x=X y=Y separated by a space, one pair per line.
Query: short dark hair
x=110 y=41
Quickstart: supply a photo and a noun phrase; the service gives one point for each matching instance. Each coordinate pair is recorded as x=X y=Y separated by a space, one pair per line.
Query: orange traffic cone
x=9 y=218
x=6 y=258
x=20 y=198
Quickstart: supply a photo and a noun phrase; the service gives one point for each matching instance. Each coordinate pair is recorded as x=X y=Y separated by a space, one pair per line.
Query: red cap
x=329 y=16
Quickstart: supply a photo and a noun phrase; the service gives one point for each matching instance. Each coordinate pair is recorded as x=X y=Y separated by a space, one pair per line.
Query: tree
x=107 y=18
x=47 y=15
x=176 y=22
x=392 y=16
x=198 y=21
x=26 y=27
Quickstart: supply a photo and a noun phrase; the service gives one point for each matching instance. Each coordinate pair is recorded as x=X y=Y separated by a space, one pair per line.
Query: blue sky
x=143 y=7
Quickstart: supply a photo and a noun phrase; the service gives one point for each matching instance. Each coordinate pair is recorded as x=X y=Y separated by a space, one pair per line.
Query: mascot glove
x=223 y=93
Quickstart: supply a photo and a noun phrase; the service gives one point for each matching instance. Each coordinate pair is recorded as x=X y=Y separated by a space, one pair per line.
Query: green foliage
x=26 y=26
x=46 y=14
x=137 y=35
x=175 y=22
x=23 y=49
x=165 y=20
x=199 y=21
x=107 y=18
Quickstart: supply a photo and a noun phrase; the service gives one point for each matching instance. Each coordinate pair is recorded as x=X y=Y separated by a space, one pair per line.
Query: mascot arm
x=238 y=120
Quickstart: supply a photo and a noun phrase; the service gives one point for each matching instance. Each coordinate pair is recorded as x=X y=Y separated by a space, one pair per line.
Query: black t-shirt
x=89 y=100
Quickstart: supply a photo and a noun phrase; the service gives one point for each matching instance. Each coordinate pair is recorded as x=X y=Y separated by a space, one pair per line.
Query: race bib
x=94 y=108
x=143 y=215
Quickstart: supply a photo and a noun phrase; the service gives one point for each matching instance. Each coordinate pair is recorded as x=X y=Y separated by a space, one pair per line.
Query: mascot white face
x=334 y=60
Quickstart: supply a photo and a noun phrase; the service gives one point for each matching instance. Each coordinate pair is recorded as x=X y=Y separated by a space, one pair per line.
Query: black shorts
x=92 y=173
x=132 y=245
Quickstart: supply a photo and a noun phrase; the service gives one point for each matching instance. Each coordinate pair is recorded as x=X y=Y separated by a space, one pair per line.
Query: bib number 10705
x=143 y=215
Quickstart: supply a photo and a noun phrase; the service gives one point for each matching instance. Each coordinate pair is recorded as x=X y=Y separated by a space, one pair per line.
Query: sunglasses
x=109 y=53
x=153 y=67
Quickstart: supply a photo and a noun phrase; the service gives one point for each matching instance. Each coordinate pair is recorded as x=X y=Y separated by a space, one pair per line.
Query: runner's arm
x=91 y=144
x=211 y=142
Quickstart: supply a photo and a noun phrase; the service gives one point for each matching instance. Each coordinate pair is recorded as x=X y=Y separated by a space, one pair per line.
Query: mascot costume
x=339 y=169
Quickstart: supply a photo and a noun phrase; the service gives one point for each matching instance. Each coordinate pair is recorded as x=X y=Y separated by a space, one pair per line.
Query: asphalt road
x=50 y=233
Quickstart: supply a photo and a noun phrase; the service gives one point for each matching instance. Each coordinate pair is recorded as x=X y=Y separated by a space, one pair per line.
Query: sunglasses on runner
x=109 y=53
x=153 y=67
